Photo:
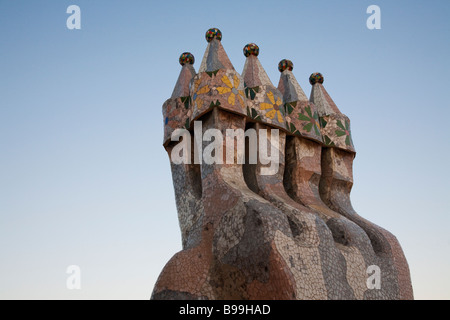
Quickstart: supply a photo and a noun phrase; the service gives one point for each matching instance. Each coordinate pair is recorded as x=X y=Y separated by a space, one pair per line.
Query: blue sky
x=84 y=178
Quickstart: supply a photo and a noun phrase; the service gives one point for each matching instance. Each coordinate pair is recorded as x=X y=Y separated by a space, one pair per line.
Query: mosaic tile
x=335 y=126
x=264 y=102
x=292 y=234
x=301 y=115
x=176 y=109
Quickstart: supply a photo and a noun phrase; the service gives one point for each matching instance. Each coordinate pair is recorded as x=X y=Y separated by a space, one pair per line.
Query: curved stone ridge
x=335 y=126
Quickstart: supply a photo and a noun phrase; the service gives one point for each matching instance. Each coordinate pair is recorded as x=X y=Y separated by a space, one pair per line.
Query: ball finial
x=285 y=64
x=187 y=58
x=213 y=33
x=251 y=49
x=316 y=78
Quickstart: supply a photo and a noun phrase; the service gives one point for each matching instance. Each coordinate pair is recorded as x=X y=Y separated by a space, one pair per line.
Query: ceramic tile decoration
x=301 y=114
x=217 y=83
x=291 y=234
x=176 y=110
x=264 y=101
x=335 y=125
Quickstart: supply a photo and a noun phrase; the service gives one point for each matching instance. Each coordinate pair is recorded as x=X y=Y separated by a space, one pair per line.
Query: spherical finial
x=285 y=64
x=316 y=78
x=251 y=49
x=187 y=58
x=213 y=33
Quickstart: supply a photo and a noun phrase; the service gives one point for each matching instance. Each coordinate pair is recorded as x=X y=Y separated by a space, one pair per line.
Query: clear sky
x=84 y=179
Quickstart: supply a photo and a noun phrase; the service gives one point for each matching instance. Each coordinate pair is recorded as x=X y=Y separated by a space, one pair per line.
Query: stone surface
x=290 y=234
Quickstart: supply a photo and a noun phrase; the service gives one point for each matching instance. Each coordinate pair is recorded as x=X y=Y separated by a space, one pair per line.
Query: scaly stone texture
x=290 y=234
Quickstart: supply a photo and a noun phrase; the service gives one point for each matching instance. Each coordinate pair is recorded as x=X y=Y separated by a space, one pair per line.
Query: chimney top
x=251 y=49
x=285 y=65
